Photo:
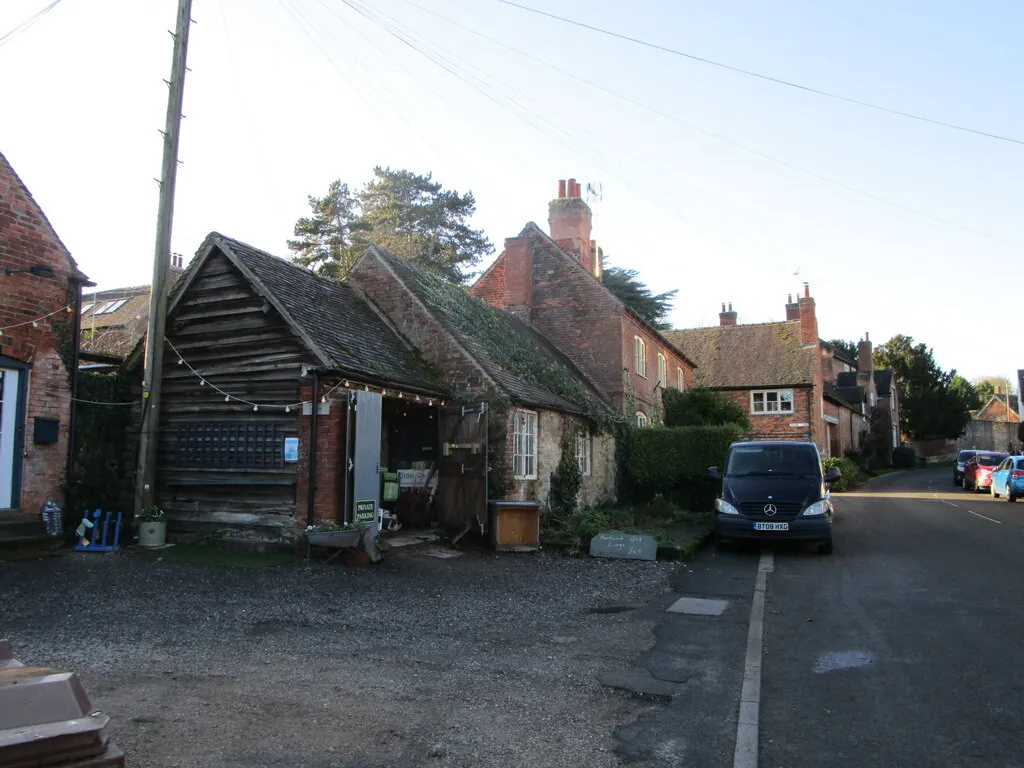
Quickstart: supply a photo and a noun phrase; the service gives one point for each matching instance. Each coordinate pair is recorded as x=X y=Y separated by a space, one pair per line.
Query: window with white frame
x=641 y=419
x=524 y=458
x=662 y=370
x=110 y=306
x=87 y=307
x=768 y=401
x=583 y=452
x=680 y=379
x=640 y=355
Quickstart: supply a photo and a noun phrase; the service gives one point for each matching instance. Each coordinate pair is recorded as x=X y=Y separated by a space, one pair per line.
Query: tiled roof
x=845 y=397
x=343 y=330
x=761 y=355
x=839 y=353
x=883 y=381
x=512 y=352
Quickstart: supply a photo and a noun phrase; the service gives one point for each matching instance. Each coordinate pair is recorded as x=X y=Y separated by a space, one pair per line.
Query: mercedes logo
x=770 y=510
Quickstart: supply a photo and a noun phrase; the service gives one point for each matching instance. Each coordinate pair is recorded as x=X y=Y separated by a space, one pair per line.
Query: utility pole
x=145 y=479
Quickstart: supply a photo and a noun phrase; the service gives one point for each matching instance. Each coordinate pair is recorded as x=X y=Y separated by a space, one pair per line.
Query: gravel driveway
x=480 y=660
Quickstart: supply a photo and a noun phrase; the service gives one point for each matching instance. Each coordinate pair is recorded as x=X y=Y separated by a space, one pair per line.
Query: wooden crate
x=514 y=525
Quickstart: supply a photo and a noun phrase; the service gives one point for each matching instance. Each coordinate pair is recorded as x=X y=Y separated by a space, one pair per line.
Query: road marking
x=997 y=522
x=745 y=755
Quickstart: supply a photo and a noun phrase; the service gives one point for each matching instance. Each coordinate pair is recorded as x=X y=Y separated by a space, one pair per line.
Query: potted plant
x=339 y=535
x=152 y=526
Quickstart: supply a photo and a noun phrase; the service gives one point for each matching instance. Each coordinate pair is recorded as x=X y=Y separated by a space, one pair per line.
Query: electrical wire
x=27 y=23
x=769 y=78
x=718 y=137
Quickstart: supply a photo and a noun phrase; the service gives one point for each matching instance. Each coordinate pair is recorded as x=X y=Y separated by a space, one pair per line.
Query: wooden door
x=462 y=476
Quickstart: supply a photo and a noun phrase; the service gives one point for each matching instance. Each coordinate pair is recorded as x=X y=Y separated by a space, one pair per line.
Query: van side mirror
x=713 y=473
x=832 y=474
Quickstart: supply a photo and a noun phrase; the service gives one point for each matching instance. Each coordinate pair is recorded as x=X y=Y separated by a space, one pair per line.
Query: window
x=87 y=307
x=772 y=401
x=680 y=379
x=662 y=370
x=640 y=355
x=583 y=452
x=524 y=459
x=110 y=306
x=641 y=419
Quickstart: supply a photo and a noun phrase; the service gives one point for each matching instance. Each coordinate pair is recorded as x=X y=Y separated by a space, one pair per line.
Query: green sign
x=366 y=511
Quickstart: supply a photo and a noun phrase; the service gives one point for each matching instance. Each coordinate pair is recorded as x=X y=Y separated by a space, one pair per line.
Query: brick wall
x=646 y=393
x=381 y=286
x=330 y=456
x=777 y=427
x=26 y=240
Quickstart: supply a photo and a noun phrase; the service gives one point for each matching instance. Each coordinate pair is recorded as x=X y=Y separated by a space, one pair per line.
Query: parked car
x=958 y=466
x=774 y=490
x=978 y=470
x=1008 y=479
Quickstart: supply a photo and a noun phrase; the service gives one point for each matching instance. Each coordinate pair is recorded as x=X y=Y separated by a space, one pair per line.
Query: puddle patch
x=834 y=661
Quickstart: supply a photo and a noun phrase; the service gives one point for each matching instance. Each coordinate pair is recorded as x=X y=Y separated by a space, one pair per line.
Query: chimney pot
x=572 y=187
x=730 y=306
x=807 y=290
x=867 y=337
x=561 y=188
x=723 y=306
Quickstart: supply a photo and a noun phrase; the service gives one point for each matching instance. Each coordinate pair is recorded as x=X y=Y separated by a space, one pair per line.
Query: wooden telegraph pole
x=149 y=434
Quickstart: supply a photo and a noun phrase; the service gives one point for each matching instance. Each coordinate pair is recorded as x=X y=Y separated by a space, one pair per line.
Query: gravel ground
x=480 y=660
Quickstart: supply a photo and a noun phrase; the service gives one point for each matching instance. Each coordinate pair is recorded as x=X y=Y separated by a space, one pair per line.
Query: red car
x=978 y=470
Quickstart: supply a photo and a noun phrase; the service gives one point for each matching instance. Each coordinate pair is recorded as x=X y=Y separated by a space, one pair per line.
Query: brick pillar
x=330 y=454
x=792 y=309
x=570 y=219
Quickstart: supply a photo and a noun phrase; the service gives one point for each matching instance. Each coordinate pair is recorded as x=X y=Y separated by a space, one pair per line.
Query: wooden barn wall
x=239 y=343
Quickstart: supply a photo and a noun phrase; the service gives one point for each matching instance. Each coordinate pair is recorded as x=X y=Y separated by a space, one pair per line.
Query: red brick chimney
x=519 y=276
x=808 y=320
x=865 y=358
x=727 y=317
x=570 y=221
x=792 y=309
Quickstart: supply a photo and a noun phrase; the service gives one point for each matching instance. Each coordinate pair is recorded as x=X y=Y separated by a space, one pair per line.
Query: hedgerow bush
x=850 y=473
x=904 y=458
x=673 y=460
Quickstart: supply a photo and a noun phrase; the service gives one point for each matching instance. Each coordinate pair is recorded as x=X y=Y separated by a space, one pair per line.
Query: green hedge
x=904 y=458
x=850 y=473
x=665 y=459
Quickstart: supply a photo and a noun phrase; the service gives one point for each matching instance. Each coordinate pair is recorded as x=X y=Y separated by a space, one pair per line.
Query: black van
x=774 y=490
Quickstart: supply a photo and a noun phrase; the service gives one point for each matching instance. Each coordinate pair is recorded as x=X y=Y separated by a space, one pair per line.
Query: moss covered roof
x=762 y=355
x=514 y=354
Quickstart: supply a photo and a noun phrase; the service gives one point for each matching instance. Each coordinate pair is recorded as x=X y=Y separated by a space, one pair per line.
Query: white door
x=8 y=411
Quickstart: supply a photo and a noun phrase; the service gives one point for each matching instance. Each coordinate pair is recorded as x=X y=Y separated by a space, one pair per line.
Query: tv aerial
x=594 y=192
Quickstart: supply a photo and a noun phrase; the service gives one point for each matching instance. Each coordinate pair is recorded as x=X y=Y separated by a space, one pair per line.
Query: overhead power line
x=758 y=75
x=13 y=33
x=716 y=136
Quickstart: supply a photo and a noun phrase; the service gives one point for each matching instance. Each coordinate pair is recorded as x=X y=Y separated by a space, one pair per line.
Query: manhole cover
x=699 y=606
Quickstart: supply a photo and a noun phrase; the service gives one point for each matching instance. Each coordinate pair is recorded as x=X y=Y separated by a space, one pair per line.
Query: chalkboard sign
x=627 y=546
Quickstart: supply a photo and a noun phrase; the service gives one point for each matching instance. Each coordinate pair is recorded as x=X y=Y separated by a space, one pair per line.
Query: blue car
x=1008 y=478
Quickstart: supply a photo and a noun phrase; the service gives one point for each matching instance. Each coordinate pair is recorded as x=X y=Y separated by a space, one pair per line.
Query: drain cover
x=699 y=606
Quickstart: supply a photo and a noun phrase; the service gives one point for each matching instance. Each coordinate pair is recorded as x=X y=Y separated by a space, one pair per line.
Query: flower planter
x=338 y=539
x=152 y=534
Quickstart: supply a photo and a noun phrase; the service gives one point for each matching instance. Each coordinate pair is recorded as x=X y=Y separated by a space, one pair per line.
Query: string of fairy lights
x=204 y=380
x=36 y=321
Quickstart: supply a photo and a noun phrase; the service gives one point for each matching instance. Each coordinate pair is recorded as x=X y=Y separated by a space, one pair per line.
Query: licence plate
x=771 y=526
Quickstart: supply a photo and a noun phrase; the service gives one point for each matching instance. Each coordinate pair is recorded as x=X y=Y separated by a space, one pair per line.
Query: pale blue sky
x=273 y=116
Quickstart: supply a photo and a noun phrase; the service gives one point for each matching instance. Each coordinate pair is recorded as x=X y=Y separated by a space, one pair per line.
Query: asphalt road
x=903 y=648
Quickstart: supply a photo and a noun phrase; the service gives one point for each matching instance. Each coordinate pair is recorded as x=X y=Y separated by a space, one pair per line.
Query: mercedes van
x=774 y=490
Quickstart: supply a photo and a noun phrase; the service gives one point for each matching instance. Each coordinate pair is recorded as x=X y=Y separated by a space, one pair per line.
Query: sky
x=722 y=186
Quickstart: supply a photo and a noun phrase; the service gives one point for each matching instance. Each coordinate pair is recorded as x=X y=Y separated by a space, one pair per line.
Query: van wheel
x=825 y=548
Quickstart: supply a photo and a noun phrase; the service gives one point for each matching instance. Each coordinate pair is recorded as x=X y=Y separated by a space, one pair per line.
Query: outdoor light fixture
x=39 y=270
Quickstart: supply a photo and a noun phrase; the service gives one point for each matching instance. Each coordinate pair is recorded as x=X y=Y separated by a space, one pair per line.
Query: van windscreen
x=773 y=460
